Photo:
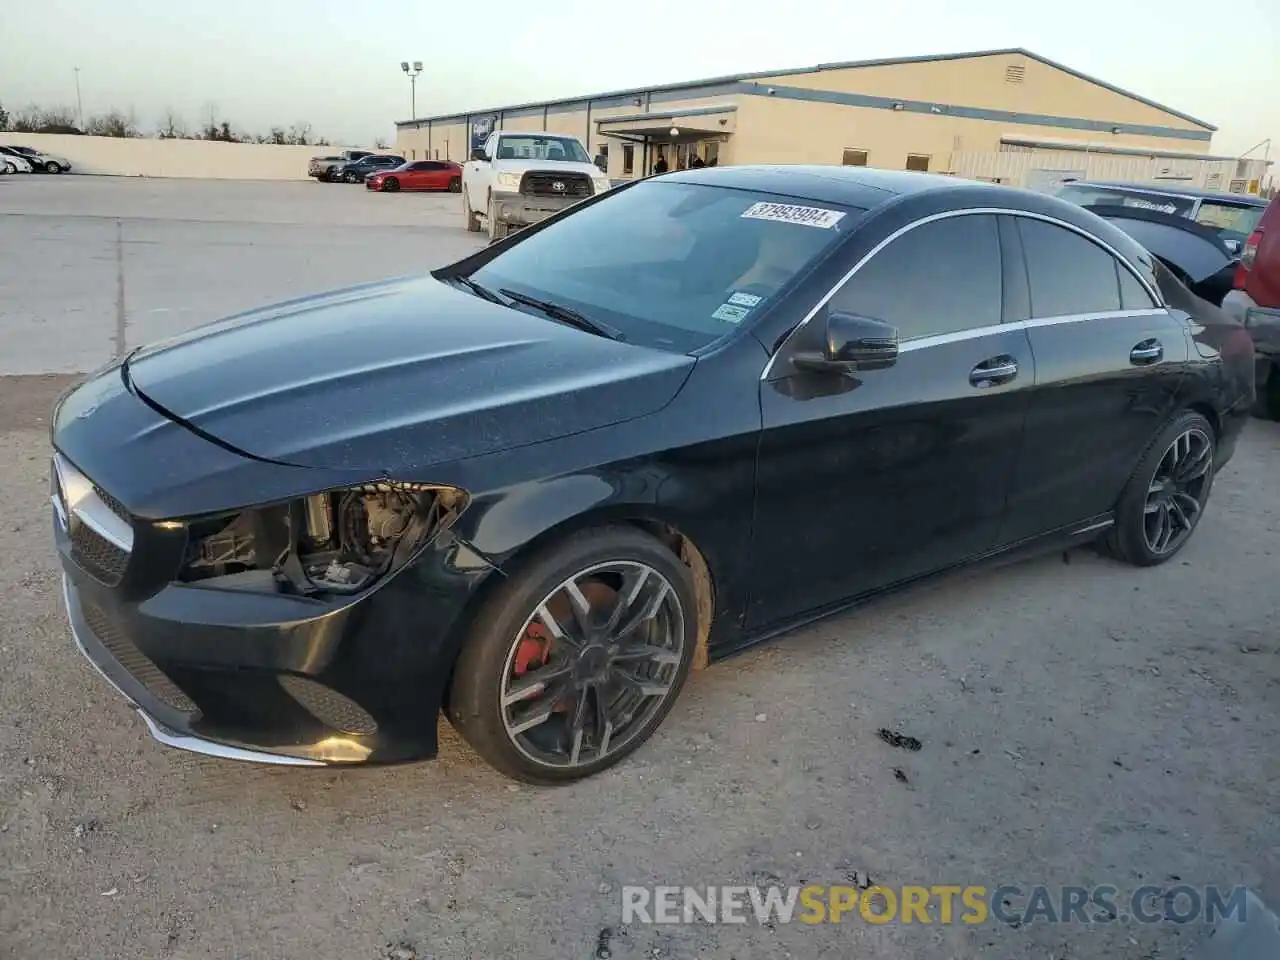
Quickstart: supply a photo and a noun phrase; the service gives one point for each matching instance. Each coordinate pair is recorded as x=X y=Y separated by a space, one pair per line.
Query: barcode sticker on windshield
x=788 y=213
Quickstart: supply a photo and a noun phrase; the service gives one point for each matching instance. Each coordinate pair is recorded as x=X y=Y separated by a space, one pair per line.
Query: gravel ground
x=1081 y=722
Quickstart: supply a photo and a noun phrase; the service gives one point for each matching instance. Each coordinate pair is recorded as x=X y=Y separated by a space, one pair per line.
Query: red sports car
x=418 y=175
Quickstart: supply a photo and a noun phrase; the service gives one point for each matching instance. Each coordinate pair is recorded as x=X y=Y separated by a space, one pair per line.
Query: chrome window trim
x=80 y=500
x=941 y=338
x=958 y=336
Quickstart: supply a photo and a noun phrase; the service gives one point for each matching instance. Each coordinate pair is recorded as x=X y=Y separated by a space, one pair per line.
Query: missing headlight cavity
x=336 y=542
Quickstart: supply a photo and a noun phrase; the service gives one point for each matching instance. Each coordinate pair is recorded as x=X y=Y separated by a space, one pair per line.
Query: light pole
x=79 y=103
x=412 y=71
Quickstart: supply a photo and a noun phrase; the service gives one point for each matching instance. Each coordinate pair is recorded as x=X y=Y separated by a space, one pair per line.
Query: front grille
x=114 y=505
x=545 y=185
x=109 y=634
x=97 y=555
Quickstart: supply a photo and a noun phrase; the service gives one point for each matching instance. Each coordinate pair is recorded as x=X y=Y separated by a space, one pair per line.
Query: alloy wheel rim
x=607 y=645
x=1175 y=494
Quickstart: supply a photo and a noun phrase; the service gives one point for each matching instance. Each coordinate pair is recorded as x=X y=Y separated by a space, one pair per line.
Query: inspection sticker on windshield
x=727 y=311
x=788 y=213
x=744 y=299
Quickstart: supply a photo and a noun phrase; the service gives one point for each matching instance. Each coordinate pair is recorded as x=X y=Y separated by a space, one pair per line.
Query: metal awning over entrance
x=699 y=123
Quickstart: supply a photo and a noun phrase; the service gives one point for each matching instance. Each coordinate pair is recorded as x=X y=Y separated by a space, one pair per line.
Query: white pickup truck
x=517 y=179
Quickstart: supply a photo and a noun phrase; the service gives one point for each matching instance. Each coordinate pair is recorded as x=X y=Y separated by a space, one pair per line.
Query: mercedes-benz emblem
x=558 y=186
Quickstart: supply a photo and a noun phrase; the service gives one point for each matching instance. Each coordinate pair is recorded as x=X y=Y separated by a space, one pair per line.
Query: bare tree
x=300 y=133
x=4 y=118
x=172 y=126
x=113 y=123
x=34 y=119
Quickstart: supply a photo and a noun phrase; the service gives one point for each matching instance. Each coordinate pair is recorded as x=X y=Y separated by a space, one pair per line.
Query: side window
x=941 y=277
x=1133 y=295
x=1067 y=273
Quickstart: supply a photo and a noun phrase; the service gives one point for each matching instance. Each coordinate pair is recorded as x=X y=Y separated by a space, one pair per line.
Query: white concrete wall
x=200 y=159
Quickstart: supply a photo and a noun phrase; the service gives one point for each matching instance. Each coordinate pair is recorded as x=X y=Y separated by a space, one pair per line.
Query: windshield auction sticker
x=787 y=213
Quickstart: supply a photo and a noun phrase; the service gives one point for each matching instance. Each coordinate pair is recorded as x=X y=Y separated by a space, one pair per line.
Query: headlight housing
x=334 y=542
x=600 y=184
x=507 y=181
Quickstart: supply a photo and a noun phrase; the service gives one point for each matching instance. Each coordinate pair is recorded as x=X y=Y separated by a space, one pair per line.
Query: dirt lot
x=1082 y=722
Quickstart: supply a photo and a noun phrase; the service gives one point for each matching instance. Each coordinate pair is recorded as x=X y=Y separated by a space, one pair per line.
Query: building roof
x=818 y=68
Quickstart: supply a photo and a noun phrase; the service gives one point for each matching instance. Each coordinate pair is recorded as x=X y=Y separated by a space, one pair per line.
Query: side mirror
x=479 y=154
x=852 y=344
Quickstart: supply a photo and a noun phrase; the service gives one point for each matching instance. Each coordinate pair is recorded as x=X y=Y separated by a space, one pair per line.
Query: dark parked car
x=357 y=170
x=534 y=488
x=1255 y=301
x=325 y=168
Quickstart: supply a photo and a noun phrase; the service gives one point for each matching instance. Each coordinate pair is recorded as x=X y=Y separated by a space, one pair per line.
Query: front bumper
x=518 y=210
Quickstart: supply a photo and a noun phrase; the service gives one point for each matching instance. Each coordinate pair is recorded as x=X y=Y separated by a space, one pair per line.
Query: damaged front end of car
x=330 y=543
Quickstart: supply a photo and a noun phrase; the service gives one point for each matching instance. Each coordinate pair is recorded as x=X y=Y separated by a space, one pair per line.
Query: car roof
x=865 y=187
x=1192 y=192
x=914 y=194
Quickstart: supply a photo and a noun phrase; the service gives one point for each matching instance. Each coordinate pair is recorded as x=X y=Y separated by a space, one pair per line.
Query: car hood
x=548 y=166
x=396 y=376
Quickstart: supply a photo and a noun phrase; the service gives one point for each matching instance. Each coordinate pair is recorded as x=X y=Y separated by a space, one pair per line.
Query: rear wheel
x=351 y=177
x=575 y=660
x=391 y=184
x=1162 y=504
x=455 y=185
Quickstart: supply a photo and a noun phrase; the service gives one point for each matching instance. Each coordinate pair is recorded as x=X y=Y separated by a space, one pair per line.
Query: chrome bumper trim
x=171 y=738
x=209 y=748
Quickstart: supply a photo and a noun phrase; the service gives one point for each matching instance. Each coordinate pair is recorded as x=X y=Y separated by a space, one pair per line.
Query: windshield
x=1086 y=196
x=672 y=265
x=1232 y=221
x=541 y=148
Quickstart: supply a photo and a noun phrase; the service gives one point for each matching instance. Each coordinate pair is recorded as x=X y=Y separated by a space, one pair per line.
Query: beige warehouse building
x=1008 y=116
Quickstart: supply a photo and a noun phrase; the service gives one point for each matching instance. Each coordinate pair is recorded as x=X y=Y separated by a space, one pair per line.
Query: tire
x=52 y=167
x=350 y=177
x=1141 y=506
x=10 y=168
x=473 y=220
x=497 y=231
x=455 y=185
x=391 y=184
x=608 y=563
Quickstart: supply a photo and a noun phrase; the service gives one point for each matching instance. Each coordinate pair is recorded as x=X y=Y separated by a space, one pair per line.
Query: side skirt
x=1060 y=539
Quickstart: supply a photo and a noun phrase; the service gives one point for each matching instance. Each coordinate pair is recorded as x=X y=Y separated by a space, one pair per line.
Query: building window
x=1213 y=181
x=854 y=158
x=628 y=159
x=712 y=157
x=1015 y=73
x=918 y=161
x=1237 y=186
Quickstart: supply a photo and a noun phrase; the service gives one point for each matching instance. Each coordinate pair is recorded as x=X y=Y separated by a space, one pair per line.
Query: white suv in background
x=517 y=179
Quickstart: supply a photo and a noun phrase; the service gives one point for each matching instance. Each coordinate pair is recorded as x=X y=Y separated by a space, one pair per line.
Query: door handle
x=993 y=372
x=1146 y=352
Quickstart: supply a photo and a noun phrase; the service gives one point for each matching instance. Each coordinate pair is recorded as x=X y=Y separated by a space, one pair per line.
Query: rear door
x=1109 y=362
x=866 y=481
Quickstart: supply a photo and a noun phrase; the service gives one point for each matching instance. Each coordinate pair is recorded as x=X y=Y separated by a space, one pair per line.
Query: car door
x=416 y=176
x=479 y=176
x=1109 y=363
x=869 y=480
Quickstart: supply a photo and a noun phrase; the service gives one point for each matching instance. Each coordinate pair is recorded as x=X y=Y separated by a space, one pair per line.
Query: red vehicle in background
x=418 y=175
x=1255 y=302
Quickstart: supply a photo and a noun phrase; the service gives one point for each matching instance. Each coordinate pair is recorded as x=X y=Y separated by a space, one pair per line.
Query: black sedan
x=535 y=488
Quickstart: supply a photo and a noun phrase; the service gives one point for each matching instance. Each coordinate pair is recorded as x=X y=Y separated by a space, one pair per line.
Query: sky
x=260 y=63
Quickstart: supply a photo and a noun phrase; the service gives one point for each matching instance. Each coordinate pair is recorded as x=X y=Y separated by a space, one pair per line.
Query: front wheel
x=10 y=168
x=455 y=185
x=472 y=218
x=351 y=177
x=53 y=167
x=497 y=230
x=575 y=660
x=1163 y=502
x=391 y=185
